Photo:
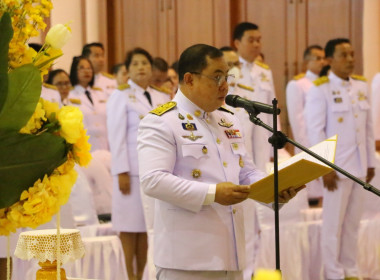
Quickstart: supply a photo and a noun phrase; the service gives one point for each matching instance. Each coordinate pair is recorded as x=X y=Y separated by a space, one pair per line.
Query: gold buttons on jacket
x=218 y=140
x=234 y=211
x=225 y=164
x=190 y=117
x=241 y=162
x=196 y=173
x=197 y=113
x=204 y=150
x=235 y=146
x=340 y=120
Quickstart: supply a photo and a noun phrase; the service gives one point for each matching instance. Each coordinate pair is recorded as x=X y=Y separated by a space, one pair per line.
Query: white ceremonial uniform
x=335 y=106
x=51 y=93
x=181 y=153
x=295 y=102
x=106 y=82
x=94 y=115
x=375 y=91
x=250 y=221
x=258 y=76
x=125 y=108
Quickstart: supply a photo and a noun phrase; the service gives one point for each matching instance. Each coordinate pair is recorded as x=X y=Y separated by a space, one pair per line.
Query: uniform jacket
x=181 y=153
x=125 y=109
x=335 y=106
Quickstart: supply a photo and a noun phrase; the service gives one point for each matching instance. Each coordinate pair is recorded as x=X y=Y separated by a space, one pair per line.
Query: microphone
x=250 y=106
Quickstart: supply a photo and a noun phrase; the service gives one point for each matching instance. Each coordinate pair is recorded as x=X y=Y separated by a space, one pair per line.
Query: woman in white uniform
x=125 y=108
x=90 y=100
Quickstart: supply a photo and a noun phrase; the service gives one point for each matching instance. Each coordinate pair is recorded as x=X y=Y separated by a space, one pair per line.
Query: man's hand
x=288 y=194
x=370 y=174
x=124 y=183
x=228 y=193
x=329 y=181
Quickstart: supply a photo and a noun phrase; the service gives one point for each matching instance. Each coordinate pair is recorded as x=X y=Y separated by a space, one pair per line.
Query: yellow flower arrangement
x=40 y=142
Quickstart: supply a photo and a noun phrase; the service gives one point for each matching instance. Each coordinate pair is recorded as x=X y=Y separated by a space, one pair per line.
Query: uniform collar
x=311 y=76
x=189 y=106
x=81 y=89
x=245 y=63
x=334 y=78
x=136 y=87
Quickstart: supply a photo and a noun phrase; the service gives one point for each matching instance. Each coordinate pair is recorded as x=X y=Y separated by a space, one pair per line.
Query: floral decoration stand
x=42 y=245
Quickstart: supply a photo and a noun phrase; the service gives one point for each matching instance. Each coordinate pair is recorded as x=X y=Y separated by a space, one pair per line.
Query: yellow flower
x=262 y=274
x=82 y=149
x=71 y=120
x=51 y=109
x=36 y=120
x=58 y=36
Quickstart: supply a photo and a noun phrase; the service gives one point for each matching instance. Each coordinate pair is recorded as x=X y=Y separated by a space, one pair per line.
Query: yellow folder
x=296 y=171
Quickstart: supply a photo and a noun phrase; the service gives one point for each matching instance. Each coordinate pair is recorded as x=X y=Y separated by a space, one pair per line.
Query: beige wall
x=371 y=38
x=71 y=11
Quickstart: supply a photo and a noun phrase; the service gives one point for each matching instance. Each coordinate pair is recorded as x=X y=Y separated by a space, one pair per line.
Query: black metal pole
x=275 y=186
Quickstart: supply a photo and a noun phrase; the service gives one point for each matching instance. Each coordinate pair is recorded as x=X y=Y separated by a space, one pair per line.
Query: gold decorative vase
x=48 y=271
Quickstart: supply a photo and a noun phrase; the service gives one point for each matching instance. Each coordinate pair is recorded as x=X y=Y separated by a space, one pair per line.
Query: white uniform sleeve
x=315 y=115
x=157 y=153
x=375 y=105
x=295 y=105
x=371 y=151
x=117 y=132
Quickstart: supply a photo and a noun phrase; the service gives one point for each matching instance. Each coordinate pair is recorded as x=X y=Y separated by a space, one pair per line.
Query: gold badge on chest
x=196 y=173
x=192 y=137
x=225 y=123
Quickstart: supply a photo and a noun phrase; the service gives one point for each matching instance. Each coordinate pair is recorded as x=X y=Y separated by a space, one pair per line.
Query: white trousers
x=342 y=211
x=175 y=274
x=148 y=204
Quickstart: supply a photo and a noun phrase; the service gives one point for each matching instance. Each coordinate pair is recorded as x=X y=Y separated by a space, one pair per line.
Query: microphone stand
x=278 y=141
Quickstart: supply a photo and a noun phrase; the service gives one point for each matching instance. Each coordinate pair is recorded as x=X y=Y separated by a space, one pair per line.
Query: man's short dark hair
x=74 y=70
x=227 y=49
x=86 y=51
x=308 y=50
x=330 y=46
x=141 y=51
x=160 y=64
x=175 y=66
x=241 y=28
x=54 y=73
x=193 y=59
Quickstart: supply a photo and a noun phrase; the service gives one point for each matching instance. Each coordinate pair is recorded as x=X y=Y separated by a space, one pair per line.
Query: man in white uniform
x=295 y=101
x=103 y=80
x=339 y=104
x=192 y=159
x=375 y=91
x=258 y=82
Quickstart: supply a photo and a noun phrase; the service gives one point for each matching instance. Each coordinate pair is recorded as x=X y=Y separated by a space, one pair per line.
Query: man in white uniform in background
x=295 y=102
x=192 y=159
x=258 y=82
x=339 y=104
x=95 y=53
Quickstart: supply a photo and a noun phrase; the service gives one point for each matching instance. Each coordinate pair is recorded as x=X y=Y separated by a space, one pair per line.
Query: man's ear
x=188 y=79
x=237 y=43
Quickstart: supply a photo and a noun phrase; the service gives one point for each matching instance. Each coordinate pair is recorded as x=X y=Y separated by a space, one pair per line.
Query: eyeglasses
x=63 y=84
x=218 y=79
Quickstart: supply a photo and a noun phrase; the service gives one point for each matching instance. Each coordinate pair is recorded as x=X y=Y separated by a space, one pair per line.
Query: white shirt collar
x=311 y=76
x=340 y=81
x=186 y=104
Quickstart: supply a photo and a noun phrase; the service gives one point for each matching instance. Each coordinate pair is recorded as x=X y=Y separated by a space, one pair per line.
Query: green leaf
x=24 y=90
x=26 y=158
x=46 y=62
x=6 y=32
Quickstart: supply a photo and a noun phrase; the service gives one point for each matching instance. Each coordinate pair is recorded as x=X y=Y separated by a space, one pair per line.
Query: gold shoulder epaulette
x=97 y=88
x=245 y=87
x=123 y=87
x=161 y=89
x=320 y=81
x=358 y=77
x=262 y=65
x=299 y=76
x=160 y=110
x=50 y=86
x=224 y=109
x=108 y=75
x=75 y=101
